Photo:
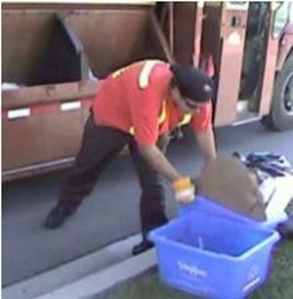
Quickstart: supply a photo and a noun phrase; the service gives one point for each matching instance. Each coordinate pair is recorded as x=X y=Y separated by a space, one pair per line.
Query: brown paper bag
x=227 y=181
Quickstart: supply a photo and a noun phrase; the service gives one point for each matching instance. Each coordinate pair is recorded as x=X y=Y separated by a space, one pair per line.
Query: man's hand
x=184 y=189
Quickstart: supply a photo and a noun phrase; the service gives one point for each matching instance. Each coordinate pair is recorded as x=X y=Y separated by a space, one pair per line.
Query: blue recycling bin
x=202 y=203
x=213 y=256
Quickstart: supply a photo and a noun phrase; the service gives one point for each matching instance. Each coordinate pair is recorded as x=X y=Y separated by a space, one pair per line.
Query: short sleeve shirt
x=133 y=98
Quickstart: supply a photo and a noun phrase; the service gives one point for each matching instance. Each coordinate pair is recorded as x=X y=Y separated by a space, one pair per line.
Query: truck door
x=223 y=36
x=259 y=63
x=269 y=66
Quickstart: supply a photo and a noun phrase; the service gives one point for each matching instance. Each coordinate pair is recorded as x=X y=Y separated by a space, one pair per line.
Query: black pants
x=99 y=146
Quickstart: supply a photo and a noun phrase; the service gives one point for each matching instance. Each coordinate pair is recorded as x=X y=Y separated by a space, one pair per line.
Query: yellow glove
x=184 y=190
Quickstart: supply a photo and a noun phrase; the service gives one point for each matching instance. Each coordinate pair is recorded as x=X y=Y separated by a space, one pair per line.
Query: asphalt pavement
x=110 y=213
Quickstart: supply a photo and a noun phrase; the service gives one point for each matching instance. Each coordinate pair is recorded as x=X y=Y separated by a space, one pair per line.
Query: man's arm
x=207 y=144
x=159 y=162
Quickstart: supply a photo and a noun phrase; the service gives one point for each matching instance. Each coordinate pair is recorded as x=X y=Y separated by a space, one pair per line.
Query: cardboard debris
x=227 y=181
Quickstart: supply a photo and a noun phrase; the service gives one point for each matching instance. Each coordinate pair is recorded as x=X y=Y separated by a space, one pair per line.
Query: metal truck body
x=54 y=55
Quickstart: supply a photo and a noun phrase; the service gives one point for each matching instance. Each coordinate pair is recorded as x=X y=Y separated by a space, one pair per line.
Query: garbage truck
x=54 y=56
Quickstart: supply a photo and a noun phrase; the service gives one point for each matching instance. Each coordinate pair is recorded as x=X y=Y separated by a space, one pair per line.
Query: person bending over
x=139 y=105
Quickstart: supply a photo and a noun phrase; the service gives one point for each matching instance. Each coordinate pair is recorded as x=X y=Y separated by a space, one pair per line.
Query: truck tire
x=281 y=114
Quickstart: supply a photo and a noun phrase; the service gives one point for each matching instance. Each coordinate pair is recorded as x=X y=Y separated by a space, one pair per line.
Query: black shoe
x=142 y=247
x=286 y=229
x=57 y=217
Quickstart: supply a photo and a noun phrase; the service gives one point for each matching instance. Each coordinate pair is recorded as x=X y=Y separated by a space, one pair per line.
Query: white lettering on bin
x=18 y=113
x=70 y=106
x=191 y=270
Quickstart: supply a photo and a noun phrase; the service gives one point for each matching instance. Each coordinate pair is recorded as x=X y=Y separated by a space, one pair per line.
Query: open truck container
x=53 y=54
x=53 y=51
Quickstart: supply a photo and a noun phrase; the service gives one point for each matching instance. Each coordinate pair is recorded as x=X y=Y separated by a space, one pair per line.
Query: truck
x=54 y=56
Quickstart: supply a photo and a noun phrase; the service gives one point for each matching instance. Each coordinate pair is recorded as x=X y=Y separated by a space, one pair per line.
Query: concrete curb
x=101 y=282
x=76 y=271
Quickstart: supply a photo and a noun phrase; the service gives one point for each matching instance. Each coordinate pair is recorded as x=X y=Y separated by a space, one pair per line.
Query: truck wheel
x=281 y=114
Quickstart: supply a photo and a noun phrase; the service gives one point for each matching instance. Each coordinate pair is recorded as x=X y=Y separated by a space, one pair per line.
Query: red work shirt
x=133 y=97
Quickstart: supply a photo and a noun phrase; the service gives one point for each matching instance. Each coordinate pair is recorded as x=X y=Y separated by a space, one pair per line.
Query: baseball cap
x=193 y=83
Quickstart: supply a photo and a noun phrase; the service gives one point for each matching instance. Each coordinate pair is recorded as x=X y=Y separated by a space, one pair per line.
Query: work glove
x=184 y=189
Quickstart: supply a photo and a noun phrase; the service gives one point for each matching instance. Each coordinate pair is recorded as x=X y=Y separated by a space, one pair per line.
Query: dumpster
x=53 y=55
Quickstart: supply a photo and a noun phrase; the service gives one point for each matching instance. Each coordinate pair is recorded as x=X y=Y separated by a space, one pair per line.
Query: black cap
x=193 y=83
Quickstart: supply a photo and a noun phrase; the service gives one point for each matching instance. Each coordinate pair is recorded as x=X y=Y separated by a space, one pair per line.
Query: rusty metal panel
x=211 y=37
x=44 y=94
x=270 y=65
x=110 y=35
x=24 y=37
x=121 y=5
x=197 y=32
x=233 y=28
x=41 y=138
x=37 y=49
x=184 y=31
x=111 y=38
x=268 y=78
x=49 y=136
x=284 y=49
x=182 y=23
x=161 y=38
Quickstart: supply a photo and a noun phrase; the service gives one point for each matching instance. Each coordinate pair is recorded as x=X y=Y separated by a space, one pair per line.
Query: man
x=139 y=105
